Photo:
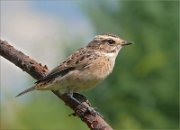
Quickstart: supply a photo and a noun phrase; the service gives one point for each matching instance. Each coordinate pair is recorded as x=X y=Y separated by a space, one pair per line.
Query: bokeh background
x=141 y=93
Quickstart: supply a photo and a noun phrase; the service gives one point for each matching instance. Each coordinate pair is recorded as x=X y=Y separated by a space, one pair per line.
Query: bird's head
x=107 y=43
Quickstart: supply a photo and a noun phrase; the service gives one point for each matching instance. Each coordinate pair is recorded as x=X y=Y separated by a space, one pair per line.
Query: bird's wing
x=79 y=60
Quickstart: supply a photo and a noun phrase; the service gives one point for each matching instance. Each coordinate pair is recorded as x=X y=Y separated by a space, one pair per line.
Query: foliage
x=143 y=90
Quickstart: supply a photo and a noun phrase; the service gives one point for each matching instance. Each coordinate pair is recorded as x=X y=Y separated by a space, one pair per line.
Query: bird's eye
x=110 y=41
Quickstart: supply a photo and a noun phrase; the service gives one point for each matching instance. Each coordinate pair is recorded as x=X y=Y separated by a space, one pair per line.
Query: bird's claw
x=92 y=111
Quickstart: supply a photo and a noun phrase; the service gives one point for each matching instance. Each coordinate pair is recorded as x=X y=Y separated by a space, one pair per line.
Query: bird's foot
x=93 y=111
x=82 y=108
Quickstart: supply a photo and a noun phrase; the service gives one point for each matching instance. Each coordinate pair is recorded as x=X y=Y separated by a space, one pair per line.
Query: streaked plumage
x=85 y=68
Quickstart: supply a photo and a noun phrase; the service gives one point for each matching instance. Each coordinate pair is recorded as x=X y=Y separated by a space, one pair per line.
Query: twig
x=36 y=70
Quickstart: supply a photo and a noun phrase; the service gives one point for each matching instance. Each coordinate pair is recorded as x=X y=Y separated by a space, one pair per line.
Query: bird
x=83 y=69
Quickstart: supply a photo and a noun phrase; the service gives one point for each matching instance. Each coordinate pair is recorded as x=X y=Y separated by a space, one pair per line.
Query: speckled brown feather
x=84 y=68
x=78 y=60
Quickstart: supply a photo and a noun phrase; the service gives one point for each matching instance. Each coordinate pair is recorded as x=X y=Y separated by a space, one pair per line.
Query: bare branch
x=36 y=70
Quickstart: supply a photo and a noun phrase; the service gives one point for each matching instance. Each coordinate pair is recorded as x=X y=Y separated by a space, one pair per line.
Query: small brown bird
x=85 y=68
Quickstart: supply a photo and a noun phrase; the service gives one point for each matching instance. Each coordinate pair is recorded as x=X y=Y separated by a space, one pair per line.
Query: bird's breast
x=91 y=75
x=87 y=77
x=100 y=69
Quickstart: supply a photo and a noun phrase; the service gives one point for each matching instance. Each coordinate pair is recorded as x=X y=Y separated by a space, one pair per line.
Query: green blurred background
x=143 y=90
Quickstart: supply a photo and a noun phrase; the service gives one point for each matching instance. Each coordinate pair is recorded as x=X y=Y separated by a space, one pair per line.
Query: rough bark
x=36 y=70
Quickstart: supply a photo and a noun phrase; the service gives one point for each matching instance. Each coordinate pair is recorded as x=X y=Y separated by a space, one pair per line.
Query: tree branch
x=36 y=70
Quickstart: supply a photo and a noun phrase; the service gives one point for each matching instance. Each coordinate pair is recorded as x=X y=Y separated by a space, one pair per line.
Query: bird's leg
x=71 y=96
x=81 y=98
x=88 y=108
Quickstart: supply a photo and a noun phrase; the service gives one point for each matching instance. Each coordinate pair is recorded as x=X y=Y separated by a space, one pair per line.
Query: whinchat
x=85 y=68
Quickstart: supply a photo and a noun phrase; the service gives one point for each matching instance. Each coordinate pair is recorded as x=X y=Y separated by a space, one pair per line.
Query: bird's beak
x=126 y=43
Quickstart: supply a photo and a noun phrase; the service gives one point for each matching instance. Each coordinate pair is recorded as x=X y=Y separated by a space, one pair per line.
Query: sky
x=40 y=29
x=44 y=31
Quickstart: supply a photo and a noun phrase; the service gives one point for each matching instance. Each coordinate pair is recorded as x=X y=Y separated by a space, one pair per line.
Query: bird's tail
x=26 y=91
